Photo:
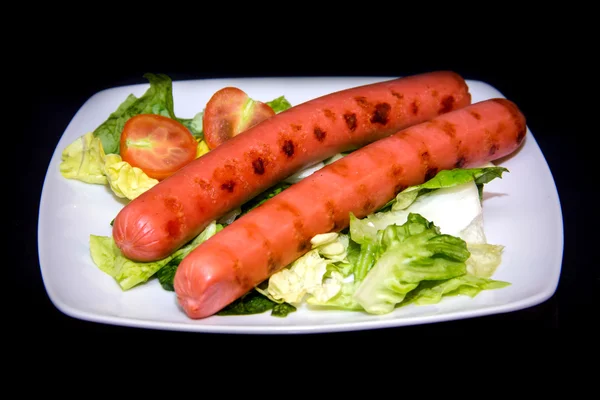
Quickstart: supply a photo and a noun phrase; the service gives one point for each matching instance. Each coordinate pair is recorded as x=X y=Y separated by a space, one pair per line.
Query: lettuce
x=254 y=302
x=458 y=190
x=343 y=300
x=311 y=274
x=279 y=104
x=464 y=221
x=125 y=180
x=447 y=179
x=484 y=260
x=158 y=99
x=85 y=160
x=194 y=124
x=82 y=160
x=128 y=273
x=431 y=292
x=402 y=255
x=410 y=253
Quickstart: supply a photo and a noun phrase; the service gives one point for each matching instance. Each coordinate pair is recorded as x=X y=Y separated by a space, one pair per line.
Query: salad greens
x=254 y=302
x=397 y=257
x=128 y=273
x=426 y=244
x=94 y=157
x=279 y=104
x=158 y=99
x=404 y=256
x=85 y=160
x=448 y=178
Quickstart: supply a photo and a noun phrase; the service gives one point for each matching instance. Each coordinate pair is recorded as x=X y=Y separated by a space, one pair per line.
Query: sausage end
x=137 y=238
x=203 y=287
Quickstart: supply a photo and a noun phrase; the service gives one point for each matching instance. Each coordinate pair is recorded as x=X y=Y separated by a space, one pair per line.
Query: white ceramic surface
x=521 y=212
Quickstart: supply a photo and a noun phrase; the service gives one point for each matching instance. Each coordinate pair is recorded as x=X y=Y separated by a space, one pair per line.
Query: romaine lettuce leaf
x=305 y=276
x=456 y=210
x=158 y=99
x=128 y=273
x=125 y=180
x=392 y=253
x=82 y=160
x=254 y=302
x=431 y=292
x=402 y=255
x=412 y=252
x=195 y=125
x=311 y=274
x=279 y=104
x=485 y=259
x=447 y=179
x=85 y=160
x=343 y=299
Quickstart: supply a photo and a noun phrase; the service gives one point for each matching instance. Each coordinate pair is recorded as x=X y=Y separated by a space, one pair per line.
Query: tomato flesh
x=157 y=145
x=229 y=112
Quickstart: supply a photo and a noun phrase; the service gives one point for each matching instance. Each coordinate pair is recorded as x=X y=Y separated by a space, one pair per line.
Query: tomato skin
x=229 y=112
x=157 y=145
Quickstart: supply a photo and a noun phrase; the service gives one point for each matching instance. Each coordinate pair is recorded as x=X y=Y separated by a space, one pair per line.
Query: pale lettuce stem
x=365 y=261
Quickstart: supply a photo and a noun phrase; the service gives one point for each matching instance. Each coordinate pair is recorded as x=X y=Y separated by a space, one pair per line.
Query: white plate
x=521 y=211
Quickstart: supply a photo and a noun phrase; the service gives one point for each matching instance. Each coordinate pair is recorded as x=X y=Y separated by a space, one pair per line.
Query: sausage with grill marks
x=177 y=209
x=277 y=232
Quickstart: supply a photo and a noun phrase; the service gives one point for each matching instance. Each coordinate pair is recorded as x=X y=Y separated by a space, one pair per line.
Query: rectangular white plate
x=521 y=212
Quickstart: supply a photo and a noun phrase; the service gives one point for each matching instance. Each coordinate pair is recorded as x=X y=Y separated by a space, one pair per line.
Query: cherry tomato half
x=229 y=112
x=157 y=145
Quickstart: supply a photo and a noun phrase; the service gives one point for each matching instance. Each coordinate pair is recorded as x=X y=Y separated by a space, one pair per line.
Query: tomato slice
x=229 y=112
x=157 y=145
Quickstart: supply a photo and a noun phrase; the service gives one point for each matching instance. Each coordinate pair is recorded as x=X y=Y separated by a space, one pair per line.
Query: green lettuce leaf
x=403 y=256
x=411 y=253
x=465 y=220
x=311 y=274
x=125 y=180
x=166 y=275
x=279 y=104
x=128 y=273
x=446 y=179
x=158 y=99
x=282 y=309
x=485 y=259
x=432 y=292
x=194 y=124
x=254 y=302
x=83 y=160
x=343 y=300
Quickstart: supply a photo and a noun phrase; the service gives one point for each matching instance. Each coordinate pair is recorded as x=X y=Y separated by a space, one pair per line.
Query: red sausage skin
x=276 y=233
x=177 y=209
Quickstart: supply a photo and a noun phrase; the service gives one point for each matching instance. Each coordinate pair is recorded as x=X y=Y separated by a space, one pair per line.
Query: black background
x=58 y=72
